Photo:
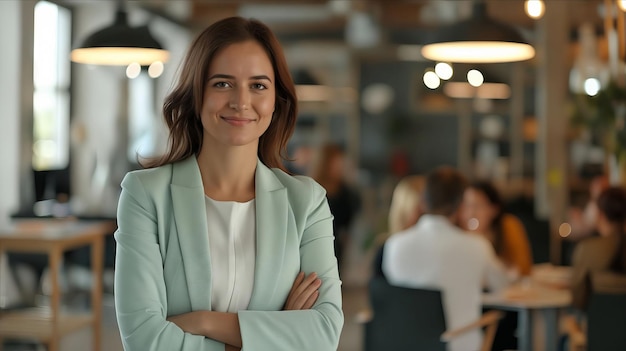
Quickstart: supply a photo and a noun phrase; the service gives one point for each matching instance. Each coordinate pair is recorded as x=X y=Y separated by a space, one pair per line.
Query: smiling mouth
x=237 y=120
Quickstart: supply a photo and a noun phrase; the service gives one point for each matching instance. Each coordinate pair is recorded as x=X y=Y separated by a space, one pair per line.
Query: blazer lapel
x=271 y=233
x=193 y=237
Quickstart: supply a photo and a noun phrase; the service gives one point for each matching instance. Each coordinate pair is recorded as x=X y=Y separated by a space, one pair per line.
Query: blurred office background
x=71 y=131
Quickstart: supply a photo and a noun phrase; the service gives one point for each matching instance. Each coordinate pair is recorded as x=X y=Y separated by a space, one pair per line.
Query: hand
x=192 y=322
x=304 y=292
x=231 y=348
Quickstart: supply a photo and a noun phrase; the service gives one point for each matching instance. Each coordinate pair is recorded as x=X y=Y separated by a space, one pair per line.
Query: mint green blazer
x=163 y=266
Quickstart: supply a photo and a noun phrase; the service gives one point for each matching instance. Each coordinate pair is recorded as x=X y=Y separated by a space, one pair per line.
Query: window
x=51 y=75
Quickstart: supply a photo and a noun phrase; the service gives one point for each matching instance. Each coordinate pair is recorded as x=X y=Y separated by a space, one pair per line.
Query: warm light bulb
x=133 y=70
x=565 y=229
x=592 y=86
x=431 y=80
x=444 y=70
x=156 y=69
x=475 y=78
x=621 y=4
x=534 y=8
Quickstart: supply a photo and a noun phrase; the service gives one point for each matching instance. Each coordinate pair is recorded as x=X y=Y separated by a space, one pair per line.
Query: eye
x=221 y=85
x=258 y=86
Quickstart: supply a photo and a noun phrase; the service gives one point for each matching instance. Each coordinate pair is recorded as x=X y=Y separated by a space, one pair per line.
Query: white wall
x=10 y=15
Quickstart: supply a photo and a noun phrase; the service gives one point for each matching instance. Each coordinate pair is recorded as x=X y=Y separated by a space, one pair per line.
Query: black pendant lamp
x=478 y=39
x=119 y=44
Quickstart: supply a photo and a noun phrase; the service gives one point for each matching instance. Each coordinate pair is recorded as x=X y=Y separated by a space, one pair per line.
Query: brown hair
x=612 y=204
x=320 y=171
x=444 y=191
x=181 y=109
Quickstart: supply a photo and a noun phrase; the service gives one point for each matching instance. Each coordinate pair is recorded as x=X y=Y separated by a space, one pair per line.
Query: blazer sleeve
x=316 y=329
x=140 y=295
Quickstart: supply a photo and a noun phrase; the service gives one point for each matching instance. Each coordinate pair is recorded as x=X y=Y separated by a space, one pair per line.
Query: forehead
x=246 y=57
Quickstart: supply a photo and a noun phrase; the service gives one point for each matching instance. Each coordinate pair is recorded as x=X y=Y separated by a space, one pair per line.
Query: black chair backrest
x=606 y=317
x=404 y=318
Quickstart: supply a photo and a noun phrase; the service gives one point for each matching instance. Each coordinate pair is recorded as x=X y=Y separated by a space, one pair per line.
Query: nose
x=240 y=99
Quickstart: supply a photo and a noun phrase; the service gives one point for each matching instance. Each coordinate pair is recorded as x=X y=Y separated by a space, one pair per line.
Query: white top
x=438 y=255
x=232 y=240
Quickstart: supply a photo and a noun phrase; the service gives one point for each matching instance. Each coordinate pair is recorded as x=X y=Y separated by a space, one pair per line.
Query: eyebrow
x=226 y=76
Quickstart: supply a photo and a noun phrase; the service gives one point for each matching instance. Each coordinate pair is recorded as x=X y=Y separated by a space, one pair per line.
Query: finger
x=311 y=300
x=301 y=298
x=305 y=284
x=294 y=286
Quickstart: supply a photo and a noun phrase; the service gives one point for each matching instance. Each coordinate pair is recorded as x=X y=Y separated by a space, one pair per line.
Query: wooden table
x=54 y=237
x=535 y=295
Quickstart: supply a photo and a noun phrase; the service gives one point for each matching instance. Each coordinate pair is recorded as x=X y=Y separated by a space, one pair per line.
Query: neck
x=228 y=173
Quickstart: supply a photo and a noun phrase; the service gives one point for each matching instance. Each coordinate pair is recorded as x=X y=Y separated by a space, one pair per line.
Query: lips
x=237 y=121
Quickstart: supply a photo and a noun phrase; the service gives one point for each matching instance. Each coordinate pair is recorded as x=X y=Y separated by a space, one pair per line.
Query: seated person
x=404 y=211
x=584 y=221
x=436 y=254
x=482 y=212
x=607 y=252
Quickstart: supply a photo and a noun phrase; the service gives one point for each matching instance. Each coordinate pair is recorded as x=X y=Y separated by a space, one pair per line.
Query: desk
x=54 y=237
x=525 y=300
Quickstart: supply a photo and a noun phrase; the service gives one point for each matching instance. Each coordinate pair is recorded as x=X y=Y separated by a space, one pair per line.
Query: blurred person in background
x=482 y=212
x=583 y=221
x=437 y=254
x=606 y=252
x=405 y=210
x=329 y=169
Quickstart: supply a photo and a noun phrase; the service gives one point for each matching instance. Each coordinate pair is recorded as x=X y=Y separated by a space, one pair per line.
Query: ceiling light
x=431 y=80
x=119 y=44
x=534 y=8
x=478 y=39
x=133 y=70
x=444 y=70
x=475 y=78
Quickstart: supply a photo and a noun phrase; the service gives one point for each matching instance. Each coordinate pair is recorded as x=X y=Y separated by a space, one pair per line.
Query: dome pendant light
x=119 y=44
x=478 y=39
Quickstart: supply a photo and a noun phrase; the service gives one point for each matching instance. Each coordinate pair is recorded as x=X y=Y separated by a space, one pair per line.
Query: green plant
x=604 y=115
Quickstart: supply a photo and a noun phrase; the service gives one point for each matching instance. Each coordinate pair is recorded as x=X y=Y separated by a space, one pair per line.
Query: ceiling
x=321 y=17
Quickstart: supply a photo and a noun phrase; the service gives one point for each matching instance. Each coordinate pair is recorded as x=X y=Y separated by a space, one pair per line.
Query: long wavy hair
x=181 y=109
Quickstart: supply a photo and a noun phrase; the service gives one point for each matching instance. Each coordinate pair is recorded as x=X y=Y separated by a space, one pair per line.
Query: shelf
x=36 y=324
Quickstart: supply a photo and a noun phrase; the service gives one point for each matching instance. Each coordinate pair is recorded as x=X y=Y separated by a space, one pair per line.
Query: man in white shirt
x=436 y=254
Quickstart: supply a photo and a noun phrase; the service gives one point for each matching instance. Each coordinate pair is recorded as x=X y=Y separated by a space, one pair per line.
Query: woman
x=607 y=252
x=329 y=170
x=483 y=212
x=404 y=211
x=213 y=236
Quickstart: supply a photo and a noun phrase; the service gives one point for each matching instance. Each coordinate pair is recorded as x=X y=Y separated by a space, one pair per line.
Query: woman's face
x=239 y=96
x=477 y=213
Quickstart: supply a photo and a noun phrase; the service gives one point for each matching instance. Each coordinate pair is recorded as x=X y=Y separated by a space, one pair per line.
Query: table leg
x=525 y=337
x=97 y=257
x=550 y=316
x=55 y=298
